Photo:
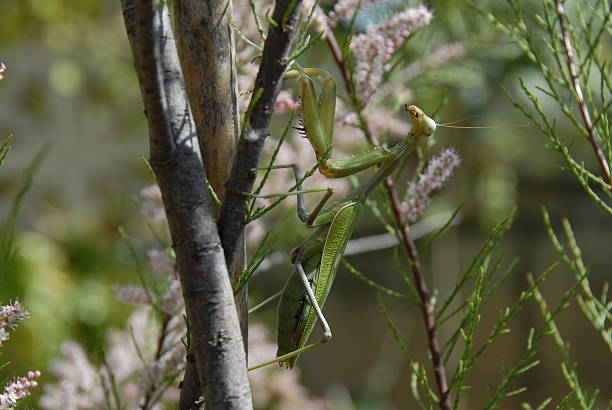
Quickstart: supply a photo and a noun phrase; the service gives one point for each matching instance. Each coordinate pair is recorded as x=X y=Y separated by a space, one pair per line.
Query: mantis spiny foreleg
x=318 y=115
x=308 y=219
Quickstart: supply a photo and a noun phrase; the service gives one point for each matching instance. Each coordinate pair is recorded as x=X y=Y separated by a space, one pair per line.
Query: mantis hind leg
x=327 y=334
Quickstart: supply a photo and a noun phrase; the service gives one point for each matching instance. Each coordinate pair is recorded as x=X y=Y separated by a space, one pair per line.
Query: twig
x=575 y=83
x=337 y=54
x=175 y=158
x=425 y=305
x=415 y=265
x=148 y=396
x=267 y=86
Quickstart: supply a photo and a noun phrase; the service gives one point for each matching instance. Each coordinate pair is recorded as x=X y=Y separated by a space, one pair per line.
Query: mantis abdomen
x=296 y=316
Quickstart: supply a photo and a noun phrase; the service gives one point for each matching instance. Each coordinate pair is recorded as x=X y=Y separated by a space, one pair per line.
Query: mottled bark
x=205 y=43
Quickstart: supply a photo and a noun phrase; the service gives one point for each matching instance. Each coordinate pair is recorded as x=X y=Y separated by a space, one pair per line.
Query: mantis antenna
x=486 y=126
x=448 y=124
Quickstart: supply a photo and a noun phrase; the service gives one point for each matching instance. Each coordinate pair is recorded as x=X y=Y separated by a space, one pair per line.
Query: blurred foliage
x=70 y=83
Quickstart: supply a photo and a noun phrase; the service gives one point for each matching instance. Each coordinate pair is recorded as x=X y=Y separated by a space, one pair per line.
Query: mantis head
x=421 y=123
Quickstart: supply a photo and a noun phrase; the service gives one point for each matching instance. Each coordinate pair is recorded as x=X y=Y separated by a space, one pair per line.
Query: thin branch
x=426 y=307
x=415 y=265
x=575 y=82
x=148 y=400
x=332 y=42
x=213 y=323
x=267 y=86
x=337 y=54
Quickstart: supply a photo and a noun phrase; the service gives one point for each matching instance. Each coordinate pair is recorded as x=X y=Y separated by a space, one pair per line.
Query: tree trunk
x=215 y=338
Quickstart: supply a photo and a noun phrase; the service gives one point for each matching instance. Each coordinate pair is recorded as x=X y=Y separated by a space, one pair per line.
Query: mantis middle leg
x=308 y=219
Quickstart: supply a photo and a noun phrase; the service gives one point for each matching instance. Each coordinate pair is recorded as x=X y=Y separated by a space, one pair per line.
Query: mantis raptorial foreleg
x=318 y=116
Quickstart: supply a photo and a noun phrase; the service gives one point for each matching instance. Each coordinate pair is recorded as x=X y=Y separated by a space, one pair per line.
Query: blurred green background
x=70 y=85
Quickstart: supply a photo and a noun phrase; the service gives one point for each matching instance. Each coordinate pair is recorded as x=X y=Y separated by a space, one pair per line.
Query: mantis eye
x=413 y=110
x=421 y=123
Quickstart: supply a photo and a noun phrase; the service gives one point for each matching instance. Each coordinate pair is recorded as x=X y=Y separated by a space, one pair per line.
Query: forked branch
x=267 y=86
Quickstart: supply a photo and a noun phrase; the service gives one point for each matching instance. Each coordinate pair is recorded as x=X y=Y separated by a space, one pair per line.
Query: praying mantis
x=317 y=259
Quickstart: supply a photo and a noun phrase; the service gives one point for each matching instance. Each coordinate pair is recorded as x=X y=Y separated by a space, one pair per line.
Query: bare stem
x=148 y=396
x=425 y=305
x=575 y=83
x=337 y=54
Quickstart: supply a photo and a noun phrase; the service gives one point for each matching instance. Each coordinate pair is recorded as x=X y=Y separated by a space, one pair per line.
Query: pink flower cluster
x=131 y=294
x=152 y=206
x=138 y=368
x=2 y=69
x=161 y=263
x=373 y=49
x=399 y=27
x=169 y=300
x=17 y=390
x=319 y=20
x=344 y=10
x=437 y=173
x=369 y=51
x=10 y=315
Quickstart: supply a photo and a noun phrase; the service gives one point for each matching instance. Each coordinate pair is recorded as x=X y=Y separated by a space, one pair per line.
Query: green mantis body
x=317 y=259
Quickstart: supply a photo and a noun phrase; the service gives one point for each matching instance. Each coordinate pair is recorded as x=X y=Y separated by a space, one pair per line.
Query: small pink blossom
x=18 y=389
x=285 y=102
x=400 y=25
x=2 y=69
x=161 y=263
x=170 y=363
x=319 y=19
x=152 y=206
x=172 y=299
x=437 y=173
x=369 y=51
x=444 y=54
x=10 y=316
x=79 y=383
x=344 y=10
x=373 y=49
x=131 y=294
